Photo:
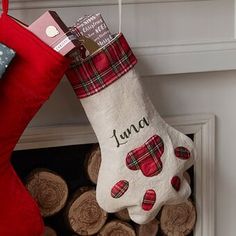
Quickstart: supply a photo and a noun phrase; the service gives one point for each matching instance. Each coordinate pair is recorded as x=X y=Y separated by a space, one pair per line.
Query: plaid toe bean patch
x=119 y=189
x=149 y=200
x=102 y=68
x=147 y=157
x=176 y=183
x=182 y=153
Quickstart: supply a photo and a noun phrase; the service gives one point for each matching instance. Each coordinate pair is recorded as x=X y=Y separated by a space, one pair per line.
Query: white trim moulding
x=202 y=126
x=187 y=57
x=34 y=4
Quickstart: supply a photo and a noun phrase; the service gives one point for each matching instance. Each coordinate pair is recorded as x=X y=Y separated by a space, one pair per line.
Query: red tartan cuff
x=102 y=68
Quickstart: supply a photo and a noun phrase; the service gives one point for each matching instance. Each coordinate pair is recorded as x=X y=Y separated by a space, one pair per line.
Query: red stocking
x=31 y=78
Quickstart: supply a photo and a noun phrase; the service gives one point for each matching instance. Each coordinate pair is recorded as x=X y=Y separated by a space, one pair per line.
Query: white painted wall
x=186 y=36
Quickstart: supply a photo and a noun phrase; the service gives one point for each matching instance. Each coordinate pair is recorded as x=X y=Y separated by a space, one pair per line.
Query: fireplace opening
x=69 y=163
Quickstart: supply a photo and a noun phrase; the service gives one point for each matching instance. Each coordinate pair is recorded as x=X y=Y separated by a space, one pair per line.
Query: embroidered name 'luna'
x=122 y=138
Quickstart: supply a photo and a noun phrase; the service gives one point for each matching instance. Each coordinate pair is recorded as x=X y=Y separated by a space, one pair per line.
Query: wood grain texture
x=83 y=214
x=117 y=228
x=178 y=220
x=92 y=163
x=123 y=215
x=149 y=229
x=48 y=189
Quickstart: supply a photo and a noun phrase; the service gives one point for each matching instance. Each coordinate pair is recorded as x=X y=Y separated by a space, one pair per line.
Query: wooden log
x=149 y=229
x=49 y=231
x=83 y=214
x=178 y=220
x=92 y=163
x=48 y=189
x=123 y=215
x=117 y=228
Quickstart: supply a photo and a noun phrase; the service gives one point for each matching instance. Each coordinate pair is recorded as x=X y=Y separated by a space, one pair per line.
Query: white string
x=120 y=16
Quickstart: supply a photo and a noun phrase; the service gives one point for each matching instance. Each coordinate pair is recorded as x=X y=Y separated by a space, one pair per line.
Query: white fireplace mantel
x=168 y=36
x=202 y=126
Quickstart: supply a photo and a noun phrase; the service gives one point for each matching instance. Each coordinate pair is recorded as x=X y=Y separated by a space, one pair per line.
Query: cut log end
x=123 y=215
x=49 y=231
x=149 y=229
x=92 y=164
x=178 y=219
x=49 y=190
x=84 y=215
x=117 y=228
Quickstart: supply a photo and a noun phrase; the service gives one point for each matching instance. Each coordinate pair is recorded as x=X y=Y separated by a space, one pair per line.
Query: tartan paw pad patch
x=147 y=157
x=182 y=153
x=149 y=200
x=119 y=189
x=176 y=183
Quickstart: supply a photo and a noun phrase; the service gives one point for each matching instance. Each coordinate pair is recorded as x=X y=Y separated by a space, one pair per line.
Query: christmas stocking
x=27 y=84
x=143 y=158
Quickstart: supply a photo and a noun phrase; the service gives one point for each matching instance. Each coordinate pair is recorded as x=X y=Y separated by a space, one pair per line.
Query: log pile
x=79 y=213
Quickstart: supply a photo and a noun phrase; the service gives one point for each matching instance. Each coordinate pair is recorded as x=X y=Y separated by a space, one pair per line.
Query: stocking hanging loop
x=5 y=6
x=120 y=15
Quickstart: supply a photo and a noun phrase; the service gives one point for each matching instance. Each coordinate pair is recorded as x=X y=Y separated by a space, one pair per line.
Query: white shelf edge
x=35 y=4
x=186 y=58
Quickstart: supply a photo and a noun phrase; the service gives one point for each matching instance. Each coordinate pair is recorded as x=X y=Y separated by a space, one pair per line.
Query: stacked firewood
x=82 y=215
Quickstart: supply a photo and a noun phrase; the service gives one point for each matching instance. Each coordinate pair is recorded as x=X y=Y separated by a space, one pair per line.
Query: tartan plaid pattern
x=119 y=189
x=102 y=68
x=149 y=200
x=176 y=183
x=147 y=157
x=182 y=153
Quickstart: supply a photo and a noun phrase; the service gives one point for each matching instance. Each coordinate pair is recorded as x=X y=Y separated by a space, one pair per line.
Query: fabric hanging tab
x=5 y=6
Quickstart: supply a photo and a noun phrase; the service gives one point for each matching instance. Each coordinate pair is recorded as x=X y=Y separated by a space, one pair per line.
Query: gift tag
x=87 y=47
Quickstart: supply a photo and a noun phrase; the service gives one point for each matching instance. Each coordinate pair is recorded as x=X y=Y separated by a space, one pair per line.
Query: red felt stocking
x=31 y=78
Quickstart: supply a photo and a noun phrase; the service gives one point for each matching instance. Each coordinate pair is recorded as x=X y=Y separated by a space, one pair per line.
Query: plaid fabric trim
x=147 y=157
x=182 y=153
x=119 y=189
x=176 y=183
x=149 y=200
x=102 y=68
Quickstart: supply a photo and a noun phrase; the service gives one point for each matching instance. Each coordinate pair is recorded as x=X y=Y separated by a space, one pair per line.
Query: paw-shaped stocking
x=143 y=158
